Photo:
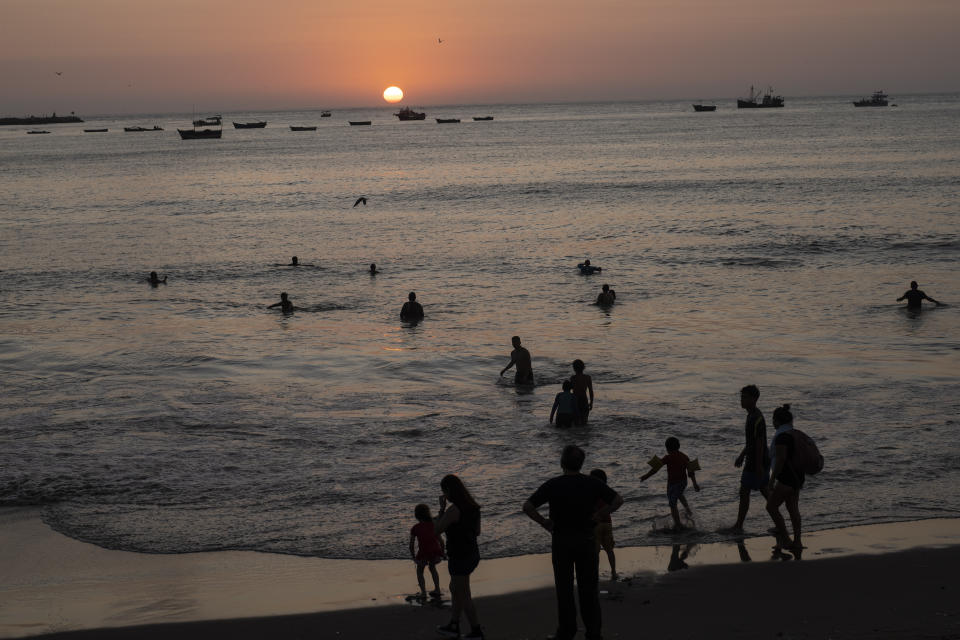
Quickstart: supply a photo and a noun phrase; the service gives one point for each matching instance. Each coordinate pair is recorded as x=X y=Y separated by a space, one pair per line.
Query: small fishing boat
x=878 y=99
x=756 y=101
x=136 y=129
x=704 y=107
x=259 y=124
x=357 y=123
x=324 y=114
x=36 y=132
x=406 y=113
x=212 y=121
x=448 y=120
x=295 y=128
x=482 y=118
x=199 y=134
x=95 y=130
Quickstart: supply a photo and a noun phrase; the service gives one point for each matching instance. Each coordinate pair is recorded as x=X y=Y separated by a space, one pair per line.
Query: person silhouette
x=520 y=357
x=606 y=297
x=285 y=305
x=915 y=297
x=586 y=268
x=155 y=280
x=373 y=269
x=412 y=310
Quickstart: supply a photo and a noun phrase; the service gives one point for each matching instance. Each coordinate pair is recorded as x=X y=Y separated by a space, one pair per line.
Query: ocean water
x=763 y=247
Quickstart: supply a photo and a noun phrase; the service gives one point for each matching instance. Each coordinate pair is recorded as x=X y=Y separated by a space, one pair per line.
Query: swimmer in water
x=285 y=305
x=154 y=280
x=586 y=269
x=915 y=297
x=606 y=297
x=373 y=269
x=411 y=310
x=520 y=357
x=294 y=262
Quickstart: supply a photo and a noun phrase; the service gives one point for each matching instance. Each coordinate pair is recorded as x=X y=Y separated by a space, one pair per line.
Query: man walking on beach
x=755 y=457
x=520 y=357
x=573 y=499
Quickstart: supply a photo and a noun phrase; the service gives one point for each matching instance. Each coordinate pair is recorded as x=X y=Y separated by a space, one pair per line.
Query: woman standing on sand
x=461 y=522
x=785 y=481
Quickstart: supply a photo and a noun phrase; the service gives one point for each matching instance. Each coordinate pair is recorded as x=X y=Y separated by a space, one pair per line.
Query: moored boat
x=52 y=119
x=259 y=124
x=758 y=101
x=95 y=130
x=36 y=132
x=406 y=113
x=324 y=114
x=199 y=134
x=704 y=107
x=482 y=118
x=357 y=123
x=155 y=128
x=878 y=99
x=448 y=120
x=295 y=128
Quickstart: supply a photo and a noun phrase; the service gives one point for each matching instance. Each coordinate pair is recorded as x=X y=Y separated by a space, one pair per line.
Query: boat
x=324 y=114
x=704 y=107
x=448 y=120
x=756 y=101
x=406 y=113
x=95 y=130
x=53 y=119
x=293 y=128
x=212 y=121
x=878 y=99
x=259 y=124
x=199 y=134
x=155 y=128
x=36 y=132
x=356 y=123
x=482 y=118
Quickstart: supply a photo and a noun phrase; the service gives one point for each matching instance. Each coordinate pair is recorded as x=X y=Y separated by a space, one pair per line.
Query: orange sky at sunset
x=134 y=56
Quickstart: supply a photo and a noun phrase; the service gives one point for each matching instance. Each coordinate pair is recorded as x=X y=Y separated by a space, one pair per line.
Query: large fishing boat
x=54 y=119
x=756 y=101
x=199 y=134
x=406 y=113
x=878 y=99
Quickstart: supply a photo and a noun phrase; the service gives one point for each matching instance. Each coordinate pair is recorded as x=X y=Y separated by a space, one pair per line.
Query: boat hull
x=293 y=128
x=358 y=123
x=201 y=134
x=249 y=125
x=704 y=107
x=482 y=118
x=448 y=120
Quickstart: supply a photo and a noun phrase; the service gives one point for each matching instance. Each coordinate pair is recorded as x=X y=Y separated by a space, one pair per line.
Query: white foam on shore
x=53 y=583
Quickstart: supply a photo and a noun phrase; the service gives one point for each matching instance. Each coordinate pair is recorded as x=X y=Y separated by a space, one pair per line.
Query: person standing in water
x=521 y=358
x=412 y=310
x=155 y=280
x=582 y=385
x=915 y=297
x=606 y=297
x=755 y=456
x=285 y=305
x=373 y=269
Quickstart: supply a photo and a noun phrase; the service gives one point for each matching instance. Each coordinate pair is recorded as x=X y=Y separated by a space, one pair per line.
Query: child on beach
x=564 y=406
x=678 y=469
x=430 y=549
x=603 y=532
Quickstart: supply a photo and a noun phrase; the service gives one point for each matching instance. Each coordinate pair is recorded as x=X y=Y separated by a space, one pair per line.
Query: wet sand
x=896 y=580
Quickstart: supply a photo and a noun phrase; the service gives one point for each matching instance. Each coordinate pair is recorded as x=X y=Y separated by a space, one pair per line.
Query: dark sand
x=879 y=581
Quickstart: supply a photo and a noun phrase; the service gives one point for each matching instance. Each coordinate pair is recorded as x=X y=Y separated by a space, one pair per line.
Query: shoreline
x=53 y=583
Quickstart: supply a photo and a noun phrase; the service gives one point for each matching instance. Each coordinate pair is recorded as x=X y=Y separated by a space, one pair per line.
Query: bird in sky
x=360 y=200
x=439 y=40
x=59 y=73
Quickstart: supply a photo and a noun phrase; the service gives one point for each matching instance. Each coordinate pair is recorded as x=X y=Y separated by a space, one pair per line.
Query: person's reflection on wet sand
x=677 y=557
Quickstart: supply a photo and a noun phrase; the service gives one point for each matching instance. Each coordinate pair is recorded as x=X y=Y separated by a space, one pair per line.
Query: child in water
x=678 y=468
x=564 y=406
x=430 y=549
x=603 y=532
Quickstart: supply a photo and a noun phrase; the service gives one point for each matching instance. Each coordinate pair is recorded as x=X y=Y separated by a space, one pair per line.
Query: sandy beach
x=892 y=580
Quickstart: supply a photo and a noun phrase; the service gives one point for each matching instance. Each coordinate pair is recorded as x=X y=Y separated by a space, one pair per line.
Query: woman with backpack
x=786 y=480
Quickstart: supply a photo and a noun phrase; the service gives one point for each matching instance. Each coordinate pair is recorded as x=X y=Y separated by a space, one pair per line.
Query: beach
x=890 y=580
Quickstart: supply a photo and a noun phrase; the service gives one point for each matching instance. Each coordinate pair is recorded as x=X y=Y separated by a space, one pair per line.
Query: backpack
x=806 y=456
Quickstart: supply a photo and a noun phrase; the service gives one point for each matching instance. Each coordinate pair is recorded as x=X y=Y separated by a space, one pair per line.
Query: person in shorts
x=461 y=524
x=755 y=456
x=603 y=532
x=429 y=549
x=678 y=469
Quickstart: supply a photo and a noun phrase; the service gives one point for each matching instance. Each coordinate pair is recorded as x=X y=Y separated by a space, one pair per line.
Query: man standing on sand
x=573 y=499
x=755 y=457
x=520 y=357
x=915 y=297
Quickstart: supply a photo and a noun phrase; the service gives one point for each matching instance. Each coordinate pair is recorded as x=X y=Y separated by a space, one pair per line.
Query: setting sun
x=393 y=94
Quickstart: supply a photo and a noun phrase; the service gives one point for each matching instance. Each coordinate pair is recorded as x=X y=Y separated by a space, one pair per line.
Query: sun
x=393 y=94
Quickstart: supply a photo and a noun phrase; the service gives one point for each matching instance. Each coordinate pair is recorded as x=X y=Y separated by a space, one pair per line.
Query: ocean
x=761 y=247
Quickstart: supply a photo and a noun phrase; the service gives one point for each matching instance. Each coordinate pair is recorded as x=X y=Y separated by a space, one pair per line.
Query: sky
x=154 y=56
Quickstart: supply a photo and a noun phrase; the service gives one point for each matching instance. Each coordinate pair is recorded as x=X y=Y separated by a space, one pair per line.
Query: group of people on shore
x=580 y=506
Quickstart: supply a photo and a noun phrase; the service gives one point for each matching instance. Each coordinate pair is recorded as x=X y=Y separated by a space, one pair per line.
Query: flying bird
x=360 y=200
x=59 y=73
x=439 y=40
